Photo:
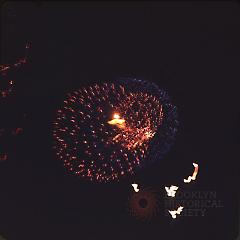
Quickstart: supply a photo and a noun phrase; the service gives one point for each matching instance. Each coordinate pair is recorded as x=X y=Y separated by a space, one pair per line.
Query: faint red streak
x=6 y=68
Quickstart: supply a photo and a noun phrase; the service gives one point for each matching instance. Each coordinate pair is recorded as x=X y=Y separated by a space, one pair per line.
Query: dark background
x=189 y=49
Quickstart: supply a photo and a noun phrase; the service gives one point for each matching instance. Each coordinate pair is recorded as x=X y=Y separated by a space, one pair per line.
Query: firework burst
x=105 y=131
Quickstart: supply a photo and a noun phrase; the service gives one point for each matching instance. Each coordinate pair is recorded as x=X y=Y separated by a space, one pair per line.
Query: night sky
x=191 y=50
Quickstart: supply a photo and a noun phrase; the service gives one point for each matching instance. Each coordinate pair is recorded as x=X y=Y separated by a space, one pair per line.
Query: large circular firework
x=106 y=131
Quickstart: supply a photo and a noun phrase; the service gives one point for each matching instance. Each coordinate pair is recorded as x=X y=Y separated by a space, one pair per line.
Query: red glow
x=3 y=157
x=17 y=131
